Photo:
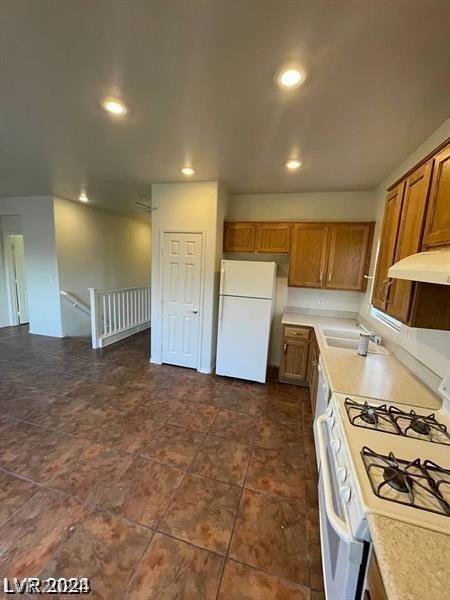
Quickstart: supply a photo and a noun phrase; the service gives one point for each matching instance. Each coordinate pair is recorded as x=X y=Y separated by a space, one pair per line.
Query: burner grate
x=395 y=421
x=416 y=484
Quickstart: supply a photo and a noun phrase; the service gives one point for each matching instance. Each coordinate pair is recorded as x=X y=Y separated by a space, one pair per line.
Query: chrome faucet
x=376 y=339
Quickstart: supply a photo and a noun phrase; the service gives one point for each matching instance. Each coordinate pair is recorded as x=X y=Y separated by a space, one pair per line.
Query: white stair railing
x=117 y=314
x=75 y=301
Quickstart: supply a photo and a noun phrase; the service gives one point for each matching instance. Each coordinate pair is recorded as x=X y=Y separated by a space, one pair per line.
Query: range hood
x=430 y=267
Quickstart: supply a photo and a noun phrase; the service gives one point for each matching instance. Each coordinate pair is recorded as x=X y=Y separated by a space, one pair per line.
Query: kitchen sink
x=352 y=344
x=341 y=333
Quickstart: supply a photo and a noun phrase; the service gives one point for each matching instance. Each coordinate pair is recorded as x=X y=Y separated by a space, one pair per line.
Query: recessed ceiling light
x=115 y=107
x=293 y=164
x=289 y=78
x=187 y=171
x=83 y=198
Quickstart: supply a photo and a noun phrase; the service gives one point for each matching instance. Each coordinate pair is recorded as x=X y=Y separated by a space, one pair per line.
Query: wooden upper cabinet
x=309 y=243
x=348 y=256
x=239 y=237
x=388 y=244
x=273 y=238
x=437 y=229
x=399 y=296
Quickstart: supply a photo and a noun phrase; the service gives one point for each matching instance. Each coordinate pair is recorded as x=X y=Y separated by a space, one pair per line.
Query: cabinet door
x=349 y=254
x=388 y=243
x=273 y=237
x=239 y=237
x=308 y=254
x=294 y=360
x=373 y=586
x=400 y=295
x=437 y=231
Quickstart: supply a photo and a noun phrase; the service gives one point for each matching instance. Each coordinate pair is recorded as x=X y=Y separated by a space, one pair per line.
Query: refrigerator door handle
x=220 y=312
x=222 y=279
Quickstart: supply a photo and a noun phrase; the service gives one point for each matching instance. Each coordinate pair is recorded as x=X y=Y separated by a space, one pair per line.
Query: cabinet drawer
x=296 y=333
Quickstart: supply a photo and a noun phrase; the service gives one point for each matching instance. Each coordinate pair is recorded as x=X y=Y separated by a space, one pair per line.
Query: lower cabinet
x=373 y=584
x=295 y=355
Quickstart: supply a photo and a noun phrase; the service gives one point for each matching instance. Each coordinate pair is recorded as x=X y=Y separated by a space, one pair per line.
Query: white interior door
x=17 y=283
x=182 y=268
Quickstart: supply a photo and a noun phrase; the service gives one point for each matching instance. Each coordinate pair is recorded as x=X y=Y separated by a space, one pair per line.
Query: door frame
x=202 y=232
x=8 y=259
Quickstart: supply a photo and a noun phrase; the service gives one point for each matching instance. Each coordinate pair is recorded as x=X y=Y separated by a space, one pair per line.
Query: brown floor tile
x=174 y=570
x=203 y=513
x=174 y=445
x=14 y=492
x=103 y=548
x=194 y=416
x=285 y=436
x=61 y=411
x=48 y=457
x=234 y=425
x=17 y=439
x=279 y=409
x=222 y=459
x=270 y=534
x=117 y=399
x=144 y=491
x=30 y=537
x=240 y=582
x=90 y=473
x=277 y=473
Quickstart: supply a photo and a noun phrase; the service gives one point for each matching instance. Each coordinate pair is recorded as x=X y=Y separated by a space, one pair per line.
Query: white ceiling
x=198 y=76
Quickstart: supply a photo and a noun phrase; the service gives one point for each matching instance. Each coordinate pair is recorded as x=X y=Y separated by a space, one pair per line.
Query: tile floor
x=153 y=481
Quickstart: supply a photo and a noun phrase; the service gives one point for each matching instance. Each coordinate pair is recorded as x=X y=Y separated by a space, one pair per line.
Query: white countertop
x=379 y=376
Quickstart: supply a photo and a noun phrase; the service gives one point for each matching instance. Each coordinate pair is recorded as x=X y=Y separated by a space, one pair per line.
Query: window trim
x=385 y=318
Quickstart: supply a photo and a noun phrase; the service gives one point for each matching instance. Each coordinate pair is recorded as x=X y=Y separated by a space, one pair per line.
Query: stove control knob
x=331 y=421
x=342 y=474
x=335 y=444
x=328 y=411
x=346 y=493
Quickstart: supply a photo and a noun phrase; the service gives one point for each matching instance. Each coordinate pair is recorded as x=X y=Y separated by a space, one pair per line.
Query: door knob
x=195 y=311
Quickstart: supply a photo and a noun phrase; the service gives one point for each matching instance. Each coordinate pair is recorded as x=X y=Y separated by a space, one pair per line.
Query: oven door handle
x=338 y=524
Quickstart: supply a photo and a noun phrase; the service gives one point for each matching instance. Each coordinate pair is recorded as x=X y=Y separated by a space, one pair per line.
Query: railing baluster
x=116 y=311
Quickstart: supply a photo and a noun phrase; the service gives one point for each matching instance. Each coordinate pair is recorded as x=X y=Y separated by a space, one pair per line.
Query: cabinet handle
x=321 y=275
x=329 y=276
x=368 y=276
x=314 y=363
x=382 y=286
x=284 y=348
x=386 y=290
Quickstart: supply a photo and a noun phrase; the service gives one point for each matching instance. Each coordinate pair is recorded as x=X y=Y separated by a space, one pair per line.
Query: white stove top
x=394 y=502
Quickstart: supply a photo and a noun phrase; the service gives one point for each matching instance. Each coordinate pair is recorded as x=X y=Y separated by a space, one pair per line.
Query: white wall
x=432 y=348
x=97 y=248
x=329 y=206
x=37 y=219
x=189 y=207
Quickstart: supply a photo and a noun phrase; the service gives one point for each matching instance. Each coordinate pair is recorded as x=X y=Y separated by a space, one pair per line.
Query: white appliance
x=246 y=305
x=368 y=464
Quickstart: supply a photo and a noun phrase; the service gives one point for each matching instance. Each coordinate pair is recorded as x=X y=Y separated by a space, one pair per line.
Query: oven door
x=343 y=556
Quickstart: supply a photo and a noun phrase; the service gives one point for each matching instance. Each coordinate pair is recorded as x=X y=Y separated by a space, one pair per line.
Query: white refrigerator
x=246 y=305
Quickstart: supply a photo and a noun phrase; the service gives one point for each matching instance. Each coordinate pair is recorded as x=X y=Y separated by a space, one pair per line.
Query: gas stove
x=394 y=461
x=421 y=484
x=397 y=421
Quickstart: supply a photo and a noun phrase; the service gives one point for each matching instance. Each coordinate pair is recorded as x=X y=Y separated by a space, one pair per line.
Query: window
x=386 y=319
